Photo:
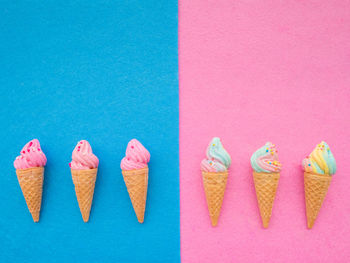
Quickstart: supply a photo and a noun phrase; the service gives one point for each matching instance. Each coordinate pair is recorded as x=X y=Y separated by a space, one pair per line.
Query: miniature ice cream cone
x=135 y=173
x=318 y=167
x=214 y=174
x=84 y=170
x=266 y=174
x=30 y=174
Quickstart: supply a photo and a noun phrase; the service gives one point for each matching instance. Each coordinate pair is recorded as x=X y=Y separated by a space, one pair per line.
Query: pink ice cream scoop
x=31 y=156
x=82 y=157
x=136 y=156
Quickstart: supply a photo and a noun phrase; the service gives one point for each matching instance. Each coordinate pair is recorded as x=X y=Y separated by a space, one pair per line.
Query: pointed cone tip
x=214 y=221
x=86 y=218
x=35 y=217
x=266 y=223
x=310 y=225
x=140 y=219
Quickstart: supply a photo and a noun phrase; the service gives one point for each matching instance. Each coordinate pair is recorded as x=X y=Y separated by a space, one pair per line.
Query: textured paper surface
x=253 y=71
x=104 y=71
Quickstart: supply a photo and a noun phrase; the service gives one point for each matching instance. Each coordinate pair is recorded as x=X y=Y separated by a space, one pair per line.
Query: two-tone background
x=173 y=75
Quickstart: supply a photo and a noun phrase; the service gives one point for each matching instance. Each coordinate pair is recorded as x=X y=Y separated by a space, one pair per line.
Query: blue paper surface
x=104 y=71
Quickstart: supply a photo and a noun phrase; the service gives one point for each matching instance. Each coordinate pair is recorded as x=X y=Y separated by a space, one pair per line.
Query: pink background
x=257 y=71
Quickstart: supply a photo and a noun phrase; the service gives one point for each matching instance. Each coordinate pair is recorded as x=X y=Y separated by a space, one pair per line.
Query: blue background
x=104 y=71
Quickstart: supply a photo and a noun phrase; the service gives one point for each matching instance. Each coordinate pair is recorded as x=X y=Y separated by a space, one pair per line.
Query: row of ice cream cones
x=84 y=166
x=318 y=167
x=266 y=175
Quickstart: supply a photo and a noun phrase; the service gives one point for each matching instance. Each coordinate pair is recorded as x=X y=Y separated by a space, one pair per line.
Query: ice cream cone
x=84 y=182
x=31 y=182
x=214 y=187
x=136 y=182
x=316 y=187
x=265 y=188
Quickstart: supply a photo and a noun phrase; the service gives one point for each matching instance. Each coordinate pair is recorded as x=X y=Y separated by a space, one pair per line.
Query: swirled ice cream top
x=265 y=159
x=82 y=157
x=136 y=156
x=31 y=156
x=218 y=159
x=320 y=161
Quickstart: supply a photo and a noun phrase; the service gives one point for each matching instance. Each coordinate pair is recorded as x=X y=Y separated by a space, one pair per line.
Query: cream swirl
x=265 y=159
x=136 y=156
x=218 y=160
x=31 y=156
x=82 y=157
x=320 y=161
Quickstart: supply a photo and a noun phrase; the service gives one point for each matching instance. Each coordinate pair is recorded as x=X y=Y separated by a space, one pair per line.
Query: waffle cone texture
x=316 y=188
x=214 y=187
x=31 y=182
x=84 y=184
x=265 y=187
x=136 y=182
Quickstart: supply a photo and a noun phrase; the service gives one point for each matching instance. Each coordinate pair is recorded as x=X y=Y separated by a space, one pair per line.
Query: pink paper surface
x=257 y=71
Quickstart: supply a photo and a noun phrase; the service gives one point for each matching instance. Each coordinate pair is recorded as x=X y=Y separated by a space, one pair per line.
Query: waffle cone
x=84 y=183
x=136 y=182
x=31 y=182
x=214 y=187
x=316 y=187
x=265 y=188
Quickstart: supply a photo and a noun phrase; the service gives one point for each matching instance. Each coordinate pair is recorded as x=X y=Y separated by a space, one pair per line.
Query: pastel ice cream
x=218 y=160
x=30 y=174
x=31 y=156
x=320 y=161
x=214 y=174
x=136 y=156
x=84 y=171
x=82 y=157
x=266 y=175
x=318 y=168
x=265 y=159
x=135 y=173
